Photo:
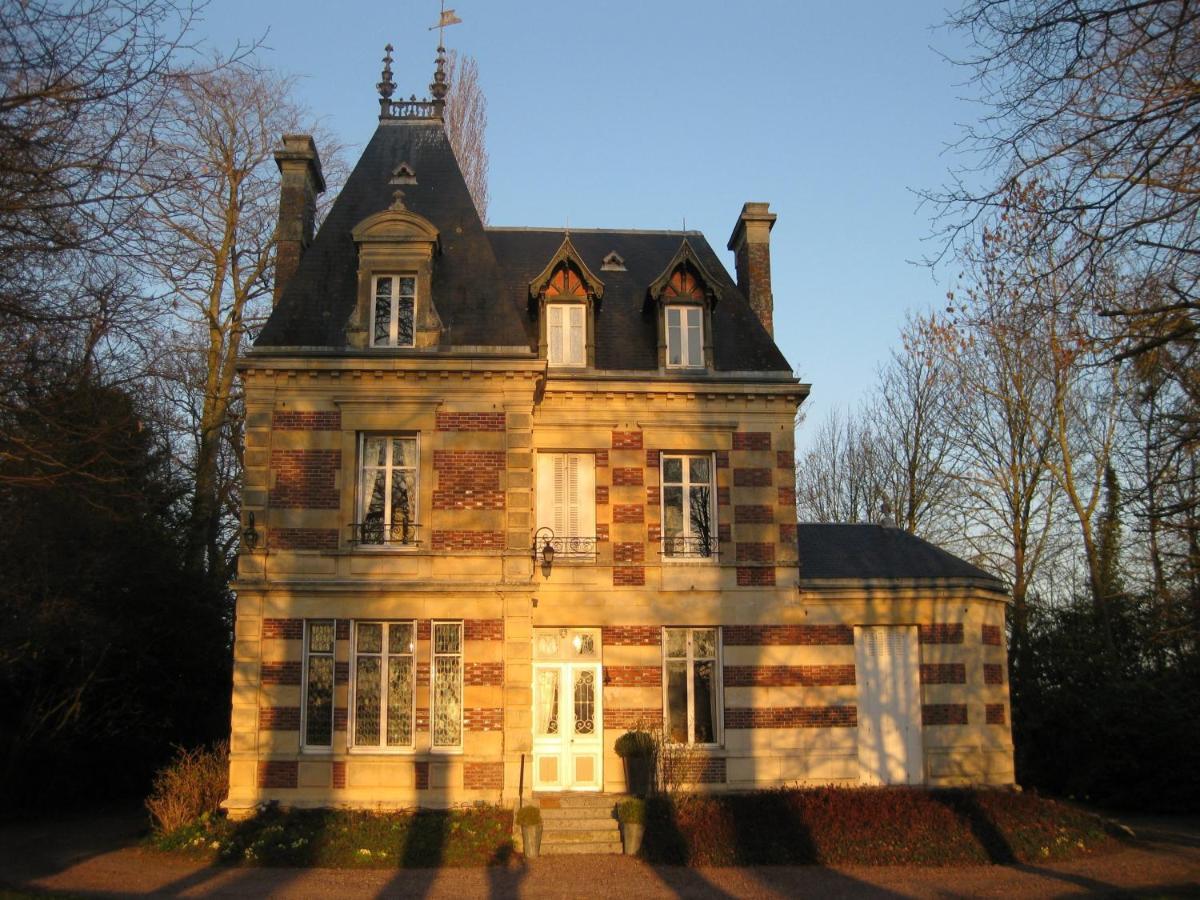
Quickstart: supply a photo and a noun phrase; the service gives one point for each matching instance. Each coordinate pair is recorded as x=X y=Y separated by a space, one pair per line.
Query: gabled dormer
x=565 y=298
x=681 y=300
x=396 y=253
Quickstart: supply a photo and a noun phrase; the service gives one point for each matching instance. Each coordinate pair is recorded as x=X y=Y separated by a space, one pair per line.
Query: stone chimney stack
x=751 y=244
x=300 y=180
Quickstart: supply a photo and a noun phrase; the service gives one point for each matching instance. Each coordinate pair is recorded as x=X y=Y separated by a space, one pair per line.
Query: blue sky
x=647 y=114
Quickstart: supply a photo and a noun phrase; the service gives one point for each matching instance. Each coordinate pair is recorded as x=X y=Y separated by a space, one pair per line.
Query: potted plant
x=530 y=820
x=636 y=749
x=632 y=816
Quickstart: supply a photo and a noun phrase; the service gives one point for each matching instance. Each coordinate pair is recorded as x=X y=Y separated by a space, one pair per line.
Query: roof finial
x=441 y=85
x=386 y=86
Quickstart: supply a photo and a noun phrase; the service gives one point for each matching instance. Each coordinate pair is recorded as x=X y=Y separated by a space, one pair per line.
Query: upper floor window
x=392 y=314
x=387 y=499
x=566 y=501
x=688 y=511
x=685 y=339
x=565 y=334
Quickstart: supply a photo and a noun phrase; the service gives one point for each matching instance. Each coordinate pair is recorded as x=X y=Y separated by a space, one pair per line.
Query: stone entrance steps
x=578 y=823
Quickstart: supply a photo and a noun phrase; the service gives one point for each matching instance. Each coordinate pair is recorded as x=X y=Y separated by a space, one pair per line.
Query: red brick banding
x=483 y=776
x=943 y=673
x=423 y=673
x=753 y=514
x=421 y=774
x=470 y=421
x=704 y=770
x=601 y=494
x=305 y=479
x=752 y=440
x=994 y=713
x=792 y=717
x=649 y=716
x=468 y=479
x=629 y=552
x=421 y=719
x=653 y=496
x=722 y=459
x=787 y=534
x=993 y=673
x=724 y=535
x=287 y=420
x=283 y=629
x=787 y=497
x=424 y=629
x=798 y=635
x=338 y=775
x=993 y=636
x=785 y=459
x=788 y=676
x=633 y=676
x=756 y=577
x=302 y=538
x=752 y=478
x=483 y=719
x=341 y=672
x=652 y=459
x=602 y=532
x=279 y=718
x=281 y=672
x=467 y=540
x=755 y=552
x=484 y=673
x=277 y=773
x=654 y=533
x=631 y=636
x=629 y=576
x=944 y=714
x=626 y=475
x=627 y=440
x=723 y=496
x=340 y=718
x=940 y=633
x=342 y=630
x=483 y=629
x=628 y=513
x=601 y=459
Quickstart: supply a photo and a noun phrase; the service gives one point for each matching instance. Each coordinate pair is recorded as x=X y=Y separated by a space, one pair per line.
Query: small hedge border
x=867 y=826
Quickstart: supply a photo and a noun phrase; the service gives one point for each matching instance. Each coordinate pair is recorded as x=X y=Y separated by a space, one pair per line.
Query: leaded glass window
x=318 y=683
x=447 y=712
x=388 y=490
x=384 y=672
x=692 y=685
x=392 y=311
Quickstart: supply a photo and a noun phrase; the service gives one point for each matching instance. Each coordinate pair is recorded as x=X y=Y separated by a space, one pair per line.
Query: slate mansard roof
x=481 y=277
x=836 y=551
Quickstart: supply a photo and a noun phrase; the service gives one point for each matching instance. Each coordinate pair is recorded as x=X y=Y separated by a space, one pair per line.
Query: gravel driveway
x=98 y=855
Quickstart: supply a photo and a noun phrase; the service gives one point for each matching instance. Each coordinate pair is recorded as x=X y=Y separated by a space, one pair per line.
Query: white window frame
x=433 y=677
x=389 y=467
x=397 y=279
x=718 y=685
x=352 y=700
x=558 y=352
x=685 y=485
x=331 y=654
x=685 y=312
x=552 y=514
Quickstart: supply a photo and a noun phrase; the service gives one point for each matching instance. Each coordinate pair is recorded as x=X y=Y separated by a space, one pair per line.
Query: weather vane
x=447 y=18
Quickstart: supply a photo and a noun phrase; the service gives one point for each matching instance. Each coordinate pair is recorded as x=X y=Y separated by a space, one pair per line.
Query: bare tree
x=837 y=478
x=466 y=126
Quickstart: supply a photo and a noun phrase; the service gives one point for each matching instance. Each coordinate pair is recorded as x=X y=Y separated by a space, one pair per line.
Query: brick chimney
x=751 y=245
x=300 y=180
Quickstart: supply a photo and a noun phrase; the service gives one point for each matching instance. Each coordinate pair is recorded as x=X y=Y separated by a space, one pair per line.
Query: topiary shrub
x=631 y=812
x=192 y=784
x=529 y=815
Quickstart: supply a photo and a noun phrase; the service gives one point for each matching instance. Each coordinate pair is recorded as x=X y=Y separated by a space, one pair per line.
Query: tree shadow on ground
x=965 y=804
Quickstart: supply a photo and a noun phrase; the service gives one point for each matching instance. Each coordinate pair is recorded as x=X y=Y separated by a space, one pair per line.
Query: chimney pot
x=751 y=245
x=300 y=180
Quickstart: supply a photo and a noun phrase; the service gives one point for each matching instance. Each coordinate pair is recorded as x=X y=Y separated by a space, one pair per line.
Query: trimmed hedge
x=866 y=826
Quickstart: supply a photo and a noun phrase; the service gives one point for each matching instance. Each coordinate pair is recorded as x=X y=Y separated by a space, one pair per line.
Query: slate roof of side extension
x=875 y=551
x=481 y=279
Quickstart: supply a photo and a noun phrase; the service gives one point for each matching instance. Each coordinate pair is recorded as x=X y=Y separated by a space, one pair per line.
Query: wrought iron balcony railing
x=377 y=534
x=694 y=547
x=575 y=547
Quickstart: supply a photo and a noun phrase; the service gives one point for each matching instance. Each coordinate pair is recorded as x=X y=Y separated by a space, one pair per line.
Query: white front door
x=889 y=705
x=567 y=727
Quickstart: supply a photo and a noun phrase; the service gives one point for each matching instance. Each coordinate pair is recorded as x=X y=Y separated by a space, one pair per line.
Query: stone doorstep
x=581 y=836
x=578 y=823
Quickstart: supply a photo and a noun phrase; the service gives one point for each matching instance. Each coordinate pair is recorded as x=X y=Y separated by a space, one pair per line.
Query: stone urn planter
x=636 y=749
x=530 y=820
x=632 y=816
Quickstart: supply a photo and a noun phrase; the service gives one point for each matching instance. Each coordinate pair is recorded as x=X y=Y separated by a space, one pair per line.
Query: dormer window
x=565 y=298
x=682 y=298
x=685 y=341
x=392 y=315
x=566 y=334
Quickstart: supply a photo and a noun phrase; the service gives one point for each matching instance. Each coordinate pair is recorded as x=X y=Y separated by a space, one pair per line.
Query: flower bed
x=867 y=826
x=341 y=838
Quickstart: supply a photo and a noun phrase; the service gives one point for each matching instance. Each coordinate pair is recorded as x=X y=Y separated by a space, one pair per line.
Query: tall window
x=565 y=334
x=692 y=685
x=392 y=313
x=383 y=684
x=387 y=502
x=318 y=683
x=688 y=512
x=684 y=337
x=447 y=687
x=566 y=501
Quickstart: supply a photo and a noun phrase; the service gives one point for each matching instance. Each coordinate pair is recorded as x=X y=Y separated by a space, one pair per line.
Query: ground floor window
x=318 y=683
x=384 y=676
x=447 y=687
x=692 y=684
